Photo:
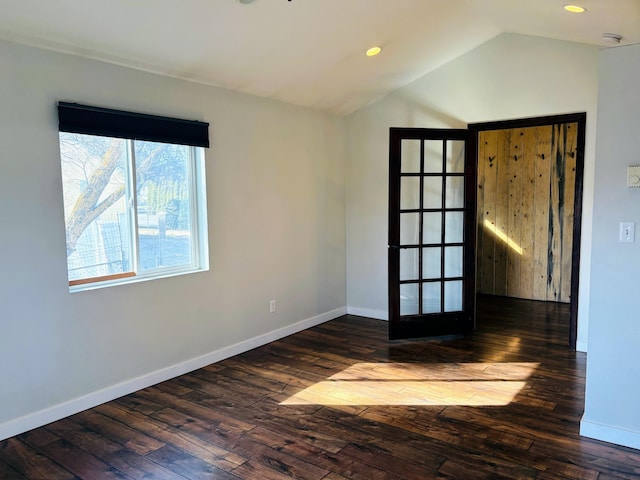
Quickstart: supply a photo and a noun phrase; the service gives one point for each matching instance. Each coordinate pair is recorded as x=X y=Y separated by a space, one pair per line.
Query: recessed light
x=245 y=2
x=575 y=8
x=373 y=51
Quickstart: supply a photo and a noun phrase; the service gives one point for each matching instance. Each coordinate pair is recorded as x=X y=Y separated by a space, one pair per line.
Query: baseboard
x=368 y=312
x=608 y=433
x=581 y=346
x=57 y=412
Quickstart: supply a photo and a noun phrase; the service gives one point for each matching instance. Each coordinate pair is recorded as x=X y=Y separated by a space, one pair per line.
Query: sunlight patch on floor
x=464 y=384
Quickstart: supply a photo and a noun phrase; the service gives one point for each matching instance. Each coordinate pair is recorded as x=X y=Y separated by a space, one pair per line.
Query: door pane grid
x=439 y=191
x=427 y=239
x=444 y=183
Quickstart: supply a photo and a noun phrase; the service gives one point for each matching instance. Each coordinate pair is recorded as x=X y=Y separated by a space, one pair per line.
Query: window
x=133 y=189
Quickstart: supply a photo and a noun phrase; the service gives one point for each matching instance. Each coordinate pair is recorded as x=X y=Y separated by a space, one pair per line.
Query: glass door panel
x=410 y=191
x=433 y=150
x=409 y=263
x=455 y=192
x=455 y=156
x=454 y=227
x=431 y=227
x=453 y=262
x=409 y=299
x=431 y=262
x=410 y=156
x=453 y=296
x=430 y=201
x=432 y=192
x=431 y=297
x=409 y=228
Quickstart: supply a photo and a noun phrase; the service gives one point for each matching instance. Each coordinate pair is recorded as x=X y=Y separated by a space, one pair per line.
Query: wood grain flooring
x=339 y=401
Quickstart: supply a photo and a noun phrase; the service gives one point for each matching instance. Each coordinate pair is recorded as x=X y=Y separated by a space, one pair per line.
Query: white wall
x=510 y=76
x=613 y=371
x=275 y=186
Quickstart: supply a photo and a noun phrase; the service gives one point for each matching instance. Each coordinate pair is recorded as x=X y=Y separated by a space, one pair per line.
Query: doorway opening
x=530 y=182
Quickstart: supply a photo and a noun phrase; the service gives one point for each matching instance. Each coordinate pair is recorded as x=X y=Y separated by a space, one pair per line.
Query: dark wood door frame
x=581 y=120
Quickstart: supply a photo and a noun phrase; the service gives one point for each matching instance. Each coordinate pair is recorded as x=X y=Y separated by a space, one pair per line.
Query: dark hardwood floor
x=340 y=401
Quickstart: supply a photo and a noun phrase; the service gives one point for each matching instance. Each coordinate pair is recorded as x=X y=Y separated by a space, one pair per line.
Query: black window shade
x=76 y=118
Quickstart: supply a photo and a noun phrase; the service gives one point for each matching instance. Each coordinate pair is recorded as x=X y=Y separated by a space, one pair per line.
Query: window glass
x=163 y=205
x=131 y=208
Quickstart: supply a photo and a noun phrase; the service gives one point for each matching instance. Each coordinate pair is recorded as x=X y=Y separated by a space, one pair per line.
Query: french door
x=432 y=229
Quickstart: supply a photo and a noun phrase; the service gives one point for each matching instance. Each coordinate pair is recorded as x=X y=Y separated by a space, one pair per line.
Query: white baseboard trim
x=62 y=410
x=608 y=433
x=368 y=312
x=581 y=346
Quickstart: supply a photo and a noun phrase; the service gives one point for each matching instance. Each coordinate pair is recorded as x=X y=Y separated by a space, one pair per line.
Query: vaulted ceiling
x=304 y=52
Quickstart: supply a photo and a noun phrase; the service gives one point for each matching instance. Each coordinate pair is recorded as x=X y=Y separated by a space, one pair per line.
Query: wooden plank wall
x=526 y=182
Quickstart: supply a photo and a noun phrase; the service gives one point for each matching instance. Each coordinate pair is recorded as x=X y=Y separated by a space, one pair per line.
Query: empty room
x=319 y=239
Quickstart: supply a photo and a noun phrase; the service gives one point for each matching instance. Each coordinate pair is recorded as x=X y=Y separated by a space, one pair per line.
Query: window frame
x=101 y=122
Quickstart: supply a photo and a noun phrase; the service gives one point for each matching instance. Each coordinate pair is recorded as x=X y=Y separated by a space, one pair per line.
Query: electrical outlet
x=272 y=306
x=627 y=232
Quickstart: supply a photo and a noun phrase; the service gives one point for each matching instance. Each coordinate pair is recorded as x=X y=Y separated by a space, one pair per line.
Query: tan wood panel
x=528 y=212
x=501 y=210
x=526 y=195
x=514 y=214
x=541 y=211
x=488 y=218
x=480 y=205
x=569 y=199
x=556 y=207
